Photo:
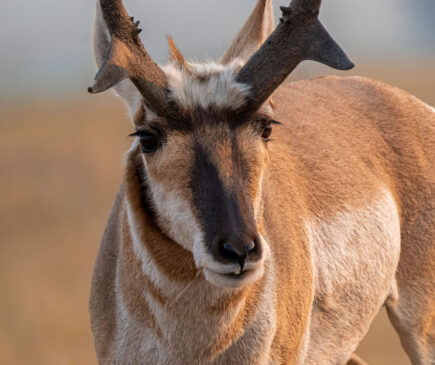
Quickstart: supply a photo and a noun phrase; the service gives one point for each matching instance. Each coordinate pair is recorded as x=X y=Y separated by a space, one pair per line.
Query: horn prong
x=285 y=9
x=111 y=71
x=127 y=58
x=299 y=36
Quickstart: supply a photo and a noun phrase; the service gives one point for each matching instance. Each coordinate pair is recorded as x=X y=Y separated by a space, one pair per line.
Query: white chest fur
x=355 y=258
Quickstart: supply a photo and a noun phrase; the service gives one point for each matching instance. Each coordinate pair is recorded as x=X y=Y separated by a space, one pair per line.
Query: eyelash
x=149 y=141
x=139 y=134
x=266 y=124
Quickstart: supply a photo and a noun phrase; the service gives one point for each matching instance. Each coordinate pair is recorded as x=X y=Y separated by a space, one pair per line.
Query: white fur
x=215 y=272
x=166 y=286
x=128 y=328
x=356 y=255
x=206 y=85
x=174 y=214
x=132 y=98
x=217 y=89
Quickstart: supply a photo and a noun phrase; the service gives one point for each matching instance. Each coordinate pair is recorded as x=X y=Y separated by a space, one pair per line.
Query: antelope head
x=203 y=129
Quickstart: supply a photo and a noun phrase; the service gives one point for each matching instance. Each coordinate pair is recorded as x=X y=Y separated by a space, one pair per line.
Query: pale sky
x=46 y=44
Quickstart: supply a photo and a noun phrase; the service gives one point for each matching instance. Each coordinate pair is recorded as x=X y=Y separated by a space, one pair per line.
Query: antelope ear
x=176 y=56
x=256 y=30
x=125 y=88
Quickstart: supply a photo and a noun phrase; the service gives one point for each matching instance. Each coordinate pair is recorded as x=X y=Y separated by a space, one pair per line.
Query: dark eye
x=149 y=142
x=267 y=131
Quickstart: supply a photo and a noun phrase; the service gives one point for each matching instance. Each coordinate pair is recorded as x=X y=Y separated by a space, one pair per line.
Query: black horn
x=127 y=58
x=299 y=36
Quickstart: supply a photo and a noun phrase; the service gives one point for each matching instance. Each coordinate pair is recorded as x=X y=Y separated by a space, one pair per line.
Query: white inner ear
x=254 y=32
x=131 y=96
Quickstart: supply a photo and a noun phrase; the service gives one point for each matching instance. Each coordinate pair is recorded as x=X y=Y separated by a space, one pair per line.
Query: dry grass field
x=60 y=167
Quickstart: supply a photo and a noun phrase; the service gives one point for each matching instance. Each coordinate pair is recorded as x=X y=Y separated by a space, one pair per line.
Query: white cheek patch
x=174 y=215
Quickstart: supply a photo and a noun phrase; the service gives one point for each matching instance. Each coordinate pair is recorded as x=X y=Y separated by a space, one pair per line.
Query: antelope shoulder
x=356 y=253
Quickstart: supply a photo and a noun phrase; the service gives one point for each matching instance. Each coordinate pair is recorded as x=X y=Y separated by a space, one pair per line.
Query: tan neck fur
x=161 y=288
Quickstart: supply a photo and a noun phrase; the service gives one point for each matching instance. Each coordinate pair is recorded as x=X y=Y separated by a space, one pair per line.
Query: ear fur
x=176 y=56
x=257 y=28
x=125 y=89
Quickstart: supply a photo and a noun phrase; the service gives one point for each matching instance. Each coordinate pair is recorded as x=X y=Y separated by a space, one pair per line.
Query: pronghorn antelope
x=226 y=247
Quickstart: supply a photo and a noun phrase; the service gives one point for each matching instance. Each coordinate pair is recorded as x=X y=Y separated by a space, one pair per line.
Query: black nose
x=237 y=247
x=229 y=250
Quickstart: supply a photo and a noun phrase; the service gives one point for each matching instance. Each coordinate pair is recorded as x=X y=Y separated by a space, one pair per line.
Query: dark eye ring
x=149 y=142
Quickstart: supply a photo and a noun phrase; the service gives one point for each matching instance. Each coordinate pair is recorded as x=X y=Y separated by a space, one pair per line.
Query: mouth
x=238 y=275
x=229 y=275
x=234 y=279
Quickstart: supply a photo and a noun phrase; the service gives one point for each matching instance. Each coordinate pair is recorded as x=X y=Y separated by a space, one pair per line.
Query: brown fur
x=132 y=283
x=343 y=145
x=250 y=300
x=314 y=171
x=171 y=258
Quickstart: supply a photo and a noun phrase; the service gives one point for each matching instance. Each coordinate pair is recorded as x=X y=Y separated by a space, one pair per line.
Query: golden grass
x=60 y=167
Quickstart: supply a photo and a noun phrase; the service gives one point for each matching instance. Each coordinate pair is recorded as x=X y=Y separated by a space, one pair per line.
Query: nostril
x=228 y=247
x=249 y=248
x=229 y=252
x=236 y=252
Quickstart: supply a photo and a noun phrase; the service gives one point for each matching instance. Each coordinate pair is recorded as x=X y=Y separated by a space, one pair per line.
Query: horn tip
x=95 y=89
x=345 y=65
x=350 y=66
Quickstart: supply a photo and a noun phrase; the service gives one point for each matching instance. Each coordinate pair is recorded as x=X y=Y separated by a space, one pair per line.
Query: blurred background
x=61 y=149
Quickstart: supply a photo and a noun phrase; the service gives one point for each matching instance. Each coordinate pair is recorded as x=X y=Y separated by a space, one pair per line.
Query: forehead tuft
x=206 y=85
